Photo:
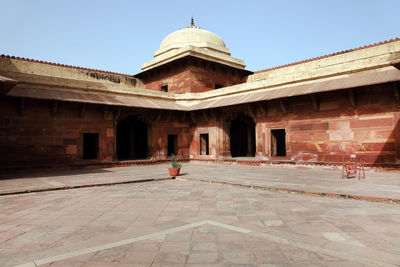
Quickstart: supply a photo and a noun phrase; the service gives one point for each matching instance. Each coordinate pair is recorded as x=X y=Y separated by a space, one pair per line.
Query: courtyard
x=210 y=215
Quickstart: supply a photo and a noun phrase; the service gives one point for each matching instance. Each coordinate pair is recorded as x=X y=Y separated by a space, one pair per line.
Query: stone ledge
x=229 y=161
x=299 y=191
x=38 y=190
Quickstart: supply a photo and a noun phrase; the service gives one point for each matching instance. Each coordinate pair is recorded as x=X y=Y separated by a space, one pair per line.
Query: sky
x=121 y=35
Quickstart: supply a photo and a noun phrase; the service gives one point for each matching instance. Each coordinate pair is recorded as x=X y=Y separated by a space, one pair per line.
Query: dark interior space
x=164 y=88
x=204 y=144
x=172 y=144
x=90 y=145
x=131 y=139
x=278 y=142
x=243 y=136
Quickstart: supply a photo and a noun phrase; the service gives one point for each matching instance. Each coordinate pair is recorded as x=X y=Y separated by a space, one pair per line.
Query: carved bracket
x=315 y=103
x=252 y=111
x=193 y=116
x=352 y=98
x=168 y=116
x=157 y=119
x=183 y=117
x=396 y=93
x=260 y=109
x=118 y=113
x=105 y=113
x=264 y=107
x=213 y=116
x=205 y=115
x=283 y=106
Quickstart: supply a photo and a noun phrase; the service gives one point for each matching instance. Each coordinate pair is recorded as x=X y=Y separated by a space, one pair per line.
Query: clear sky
x=120 y=35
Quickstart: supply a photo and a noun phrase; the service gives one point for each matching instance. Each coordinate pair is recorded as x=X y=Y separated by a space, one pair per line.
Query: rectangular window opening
x=204 y=145
x=164 y=88
x=217 y=86
x=278 y=142
x=90 y=145
x=172 y=144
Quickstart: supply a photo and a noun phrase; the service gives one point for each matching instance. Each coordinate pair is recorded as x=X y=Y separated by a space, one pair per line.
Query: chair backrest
x=352 y=167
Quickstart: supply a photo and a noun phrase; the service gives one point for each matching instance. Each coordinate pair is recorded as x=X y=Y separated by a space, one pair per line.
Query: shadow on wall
x=390 y=150
x=362 y=122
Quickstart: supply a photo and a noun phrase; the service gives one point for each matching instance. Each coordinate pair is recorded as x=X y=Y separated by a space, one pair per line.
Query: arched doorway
x=243 y=137
x=132 y=140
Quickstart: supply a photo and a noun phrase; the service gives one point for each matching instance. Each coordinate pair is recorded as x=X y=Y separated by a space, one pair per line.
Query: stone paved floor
x=190 y=223
x=43 y=179
x=317 y=179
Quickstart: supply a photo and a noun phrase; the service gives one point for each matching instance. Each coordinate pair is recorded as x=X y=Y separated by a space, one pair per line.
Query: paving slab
x=383 y=185
x=198 y=219
x=37 y=180
x=83 y=228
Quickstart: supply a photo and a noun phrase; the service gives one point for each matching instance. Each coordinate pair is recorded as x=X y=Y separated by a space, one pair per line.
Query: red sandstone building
x=196 y=101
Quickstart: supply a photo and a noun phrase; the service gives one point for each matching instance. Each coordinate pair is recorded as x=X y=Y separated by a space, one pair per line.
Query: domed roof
x=194 y=36
x=195 y=42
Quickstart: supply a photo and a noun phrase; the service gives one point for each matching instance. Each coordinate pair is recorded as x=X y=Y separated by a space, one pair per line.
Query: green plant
x=175 y=163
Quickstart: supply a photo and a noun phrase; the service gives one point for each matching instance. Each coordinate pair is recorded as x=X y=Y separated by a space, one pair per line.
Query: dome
x=194 y=42
x=194 y=36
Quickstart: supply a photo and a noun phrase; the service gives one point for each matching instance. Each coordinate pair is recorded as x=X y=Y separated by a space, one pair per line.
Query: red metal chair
x=352 y=167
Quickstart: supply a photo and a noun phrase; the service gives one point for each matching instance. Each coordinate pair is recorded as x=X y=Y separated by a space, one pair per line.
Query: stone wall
x=46 y=133
x=343 y=62
x=361 y=122
x=35 y=133
x=48 y=72
x=192 y=77
x=364 y=127
x=170 y=123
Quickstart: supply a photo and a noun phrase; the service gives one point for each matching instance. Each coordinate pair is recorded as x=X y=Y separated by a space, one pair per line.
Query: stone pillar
x=397 y=135
x=151 y=141
x=260 y=151
x=225 y=140
x=249 y=140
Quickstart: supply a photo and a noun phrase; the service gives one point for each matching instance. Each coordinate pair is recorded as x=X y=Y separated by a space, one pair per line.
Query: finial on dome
x=192 y=22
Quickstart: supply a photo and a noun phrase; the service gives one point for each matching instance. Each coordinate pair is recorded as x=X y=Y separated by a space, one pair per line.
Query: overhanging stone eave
x=249 y=93
x=98 y=97
x=255 y=93
x=396 y=64
x=210 y=52
x=6 y=84
x=206 y=45
x=236 y=63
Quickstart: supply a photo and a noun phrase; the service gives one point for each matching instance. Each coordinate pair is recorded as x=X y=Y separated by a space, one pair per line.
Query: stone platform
x=378 y=186
x=187 y=222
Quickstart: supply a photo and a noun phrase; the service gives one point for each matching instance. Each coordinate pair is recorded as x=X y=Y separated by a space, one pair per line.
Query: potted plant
x=176 y=167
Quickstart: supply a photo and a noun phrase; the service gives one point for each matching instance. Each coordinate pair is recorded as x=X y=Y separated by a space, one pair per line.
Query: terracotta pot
x=174 y=171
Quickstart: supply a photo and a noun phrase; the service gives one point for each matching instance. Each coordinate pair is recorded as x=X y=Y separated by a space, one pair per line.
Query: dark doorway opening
x=278 y=142
x=164 y=88
x=172 y=144
x=131 y=139
x=204 y=144
x=90 y=145
x=243 y=137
